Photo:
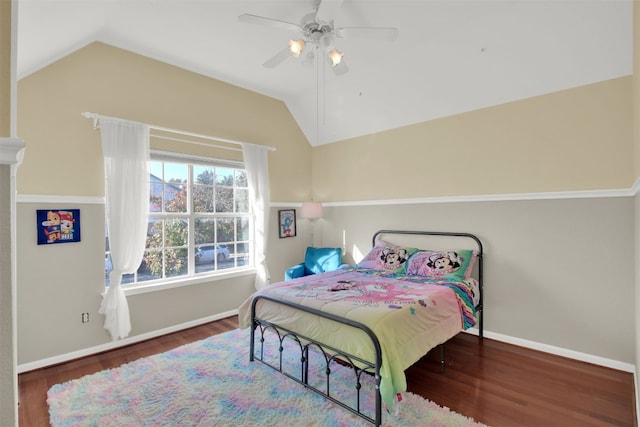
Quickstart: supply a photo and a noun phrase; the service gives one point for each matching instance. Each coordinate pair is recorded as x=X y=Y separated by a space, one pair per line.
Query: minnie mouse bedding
x=410 y=306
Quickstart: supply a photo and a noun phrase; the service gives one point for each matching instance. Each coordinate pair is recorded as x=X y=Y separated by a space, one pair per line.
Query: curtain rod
x=97 y=117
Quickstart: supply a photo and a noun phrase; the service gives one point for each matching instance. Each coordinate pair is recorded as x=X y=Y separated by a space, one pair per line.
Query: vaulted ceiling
x=451 y=56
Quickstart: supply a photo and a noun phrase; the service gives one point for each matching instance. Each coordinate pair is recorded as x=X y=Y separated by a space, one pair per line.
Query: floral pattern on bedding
x=368 y=292
x=381 y=293
x=463 y=290
x=408 y=314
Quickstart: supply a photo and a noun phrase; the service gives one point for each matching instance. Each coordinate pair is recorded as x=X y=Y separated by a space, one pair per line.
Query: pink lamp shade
x=311 y=210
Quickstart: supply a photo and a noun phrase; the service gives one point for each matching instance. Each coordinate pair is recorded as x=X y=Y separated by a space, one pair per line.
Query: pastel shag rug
x=213 y=383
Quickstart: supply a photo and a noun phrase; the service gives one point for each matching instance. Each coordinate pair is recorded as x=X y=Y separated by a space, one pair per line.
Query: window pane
x=242 y=200
x=228 y=263
x=204 y=230
x=154 y=265
x=176 y=262
x=155 y=186
x=203 y=175
x=241 y=178
x=175 y=172
x=155 y=194
x=145 y=272
x=176 y=232
x=107 y=255
x=175 y=191
x=175 y=197
x=155 y=168
x=242 y=254
x=131 y=278
x=204 y=260
x=224 y=229
x=154 y=233
x=243 y=248
x=224 y=176
x=202 y=198
x=242 y=229
x=142 y=272
x=212 y=257
x=127 y=279
x=224 y=199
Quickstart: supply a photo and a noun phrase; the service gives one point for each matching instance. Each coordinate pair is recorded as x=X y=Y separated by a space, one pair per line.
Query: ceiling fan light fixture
x=296 y=47
x=335 y=56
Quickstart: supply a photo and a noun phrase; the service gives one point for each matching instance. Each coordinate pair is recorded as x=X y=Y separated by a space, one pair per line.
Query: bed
x=379 y=316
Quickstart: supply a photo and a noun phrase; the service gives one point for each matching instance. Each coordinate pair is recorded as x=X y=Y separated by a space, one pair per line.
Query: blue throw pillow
x=321 y=260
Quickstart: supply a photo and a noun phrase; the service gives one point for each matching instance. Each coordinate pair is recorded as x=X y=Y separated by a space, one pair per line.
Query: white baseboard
x=50 y=361
x=559 y=351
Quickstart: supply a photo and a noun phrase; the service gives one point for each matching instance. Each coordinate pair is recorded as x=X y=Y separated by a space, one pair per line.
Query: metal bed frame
x=334 y=355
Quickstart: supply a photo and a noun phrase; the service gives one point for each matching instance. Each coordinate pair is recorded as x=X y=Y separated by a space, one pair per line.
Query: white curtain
x=125 y=146
x=256 y=163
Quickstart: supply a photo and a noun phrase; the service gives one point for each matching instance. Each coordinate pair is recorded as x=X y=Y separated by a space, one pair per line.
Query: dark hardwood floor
x=494 y=383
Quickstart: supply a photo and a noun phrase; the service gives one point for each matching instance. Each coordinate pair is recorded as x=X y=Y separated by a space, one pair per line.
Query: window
x=199 y=222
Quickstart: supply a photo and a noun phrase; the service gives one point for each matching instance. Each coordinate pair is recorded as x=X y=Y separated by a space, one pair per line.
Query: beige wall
x=636 y=158
x=63 y=161
x=579 y=139
x=636 y=87
x=112 y=82
x=5 y=68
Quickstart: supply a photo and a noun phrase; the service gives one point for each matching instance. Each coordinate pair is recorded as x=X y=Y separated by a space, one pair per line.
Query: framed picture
x=287 y=223
x=58 y=226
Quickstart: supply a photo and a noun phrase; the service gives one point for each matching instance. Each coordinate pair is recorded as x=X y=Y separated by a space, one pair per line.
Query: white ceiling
x=451 y=56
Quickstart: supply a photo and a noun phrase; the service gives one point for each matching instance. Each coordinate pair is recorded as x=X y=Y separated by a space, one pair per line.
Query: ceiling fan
x=317 y=36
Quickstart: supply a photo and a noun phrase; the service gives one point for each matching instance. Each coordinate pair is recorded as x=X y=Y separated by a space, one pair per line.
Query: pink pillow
x=451 y=264
x=388 y=257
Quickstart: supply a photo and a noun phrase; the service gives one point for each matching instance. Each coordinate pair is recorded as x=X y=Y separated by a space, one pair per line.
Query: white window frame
x=132 y=288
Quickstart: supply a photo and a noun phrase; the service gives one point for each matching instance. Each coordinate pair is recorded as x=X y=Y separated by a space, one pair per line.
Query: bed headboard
x=476 y=241
x=442 y=240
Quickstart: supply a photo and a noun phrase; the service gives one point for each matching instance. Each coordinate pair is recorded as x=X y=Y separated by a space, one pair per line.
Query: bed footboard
x=333 y=355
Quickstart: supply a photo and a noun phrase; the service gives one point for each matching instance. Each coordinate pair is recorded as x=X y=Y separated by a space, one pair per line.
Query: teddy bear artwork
x=58 y=226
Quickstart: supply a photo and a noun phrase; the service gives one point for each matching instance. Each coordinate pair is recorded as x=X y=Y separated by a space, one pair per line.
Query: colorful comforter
x=409 y=314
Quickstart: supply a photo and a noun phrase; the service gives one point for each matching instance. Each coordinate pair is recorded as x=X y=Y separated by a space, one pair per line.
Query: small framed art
x=58 y=226
x=287 y=222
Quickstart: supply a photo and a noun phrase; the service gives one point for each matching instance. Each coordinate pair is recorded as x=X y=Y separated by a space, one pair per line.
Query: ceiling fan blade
x=278 y=58
x=263 y=20
x=326 y=9
x=370 y=33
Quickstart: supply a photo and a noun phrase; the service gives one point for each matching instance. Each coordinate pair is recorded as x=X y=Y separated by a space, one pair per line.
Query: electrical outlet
x=85 y=317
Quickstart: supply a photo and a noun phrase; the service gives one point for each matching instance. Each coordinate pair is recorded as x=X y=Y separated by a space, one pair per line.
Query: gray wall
x=57 y=283
x=557 y=272
x=8 y=380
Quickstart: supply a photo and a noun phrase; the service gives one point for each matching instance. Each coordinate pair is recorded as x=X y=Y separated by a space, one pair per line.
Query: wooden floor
x=494 y=383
